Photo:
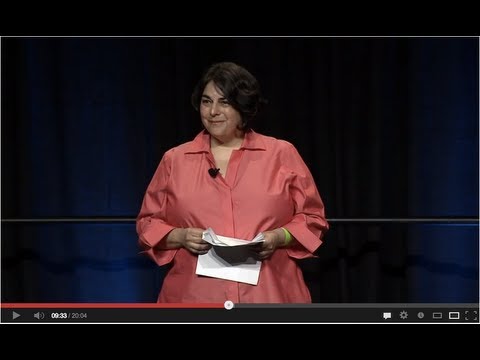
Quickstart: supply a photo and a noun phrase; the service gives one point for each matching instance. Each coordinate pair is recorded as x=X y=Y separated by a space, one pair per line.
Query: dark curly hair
x=237 y=85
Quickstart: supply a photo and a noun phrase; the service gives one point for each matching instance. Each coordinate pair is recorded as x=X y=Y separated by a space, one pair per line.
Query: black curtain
x=388 y=127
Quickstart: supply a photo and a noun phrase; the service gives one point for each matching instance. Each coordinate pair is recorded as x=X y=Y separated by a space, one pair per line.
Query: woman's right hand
x=191 y=239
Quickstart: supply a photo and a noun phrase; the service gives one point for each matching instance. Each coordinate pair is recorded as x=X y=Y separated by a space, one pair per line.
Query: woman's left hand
x=265 y=249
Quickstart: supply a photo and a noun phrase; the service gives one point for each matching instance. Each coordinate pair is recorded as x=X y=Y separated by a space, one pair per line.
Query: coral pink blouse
x=267 y=186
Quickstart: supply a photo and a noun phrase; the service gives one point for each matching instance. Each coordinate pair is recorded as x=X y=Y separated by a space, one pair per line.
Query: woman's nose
x=214 y=110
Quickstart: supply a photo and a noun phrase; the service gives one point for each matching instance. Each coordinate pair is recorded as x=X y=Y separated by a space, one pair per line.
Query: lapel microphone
x=213 y=172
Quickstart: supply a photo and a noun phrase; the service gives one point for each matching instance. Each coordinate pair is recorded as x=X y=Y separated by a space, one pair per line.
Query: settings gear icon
x=403 y=315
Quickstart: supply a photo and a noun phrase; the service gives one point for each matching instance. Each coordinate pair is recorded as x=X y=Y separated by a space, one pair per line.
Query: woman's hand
x=191 y=239
x=272 y=240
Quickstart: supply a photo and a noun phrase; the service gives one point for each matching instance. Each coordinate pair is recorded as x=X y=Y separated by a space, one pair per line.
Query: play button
x=15 y=315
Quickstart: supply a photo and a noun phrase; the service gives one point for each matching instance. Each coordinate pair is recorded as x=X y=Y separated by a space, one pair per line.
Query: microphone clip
x=213 y=172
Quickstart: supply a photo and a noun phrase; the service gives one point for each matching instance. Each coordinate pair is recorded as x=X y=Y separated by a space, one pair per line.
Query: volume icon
x=39 y=315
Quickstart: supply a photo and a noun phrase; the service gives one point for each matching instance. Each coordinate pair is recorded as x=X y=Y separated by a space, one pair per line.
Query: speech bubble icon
x=387 y=315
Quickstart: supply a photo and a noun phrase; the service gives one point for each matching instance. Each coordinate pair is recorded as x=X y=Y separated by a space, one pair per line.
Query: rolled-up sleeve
x=150 y=223
x=308 y=224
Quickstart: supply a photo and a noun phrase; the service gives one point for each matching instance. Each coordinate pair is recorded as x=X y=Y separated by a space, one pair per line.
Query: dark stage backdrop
x=388 y=127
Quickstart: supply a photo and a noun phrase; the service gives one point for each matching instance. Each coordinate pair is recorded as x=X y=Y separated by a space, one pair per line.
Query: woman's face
x=219 y=117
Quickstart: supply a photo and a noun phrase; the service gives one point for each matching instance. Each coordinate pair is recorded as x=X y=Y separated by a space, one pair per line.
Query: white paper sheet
x=229 y=258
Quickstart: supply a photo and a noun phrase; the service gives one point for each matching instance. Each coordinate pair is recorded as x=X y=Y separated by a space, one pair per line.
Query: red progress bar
x=113 y=305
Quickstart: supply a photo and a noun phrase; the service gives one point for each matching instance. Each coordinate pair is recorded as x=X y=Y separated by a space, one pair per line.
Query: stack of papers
x=230 y=258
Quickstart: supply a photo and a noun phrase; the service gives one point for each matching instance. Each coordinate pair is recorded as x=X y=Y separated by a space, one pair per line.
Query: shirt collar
x=201 y=142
